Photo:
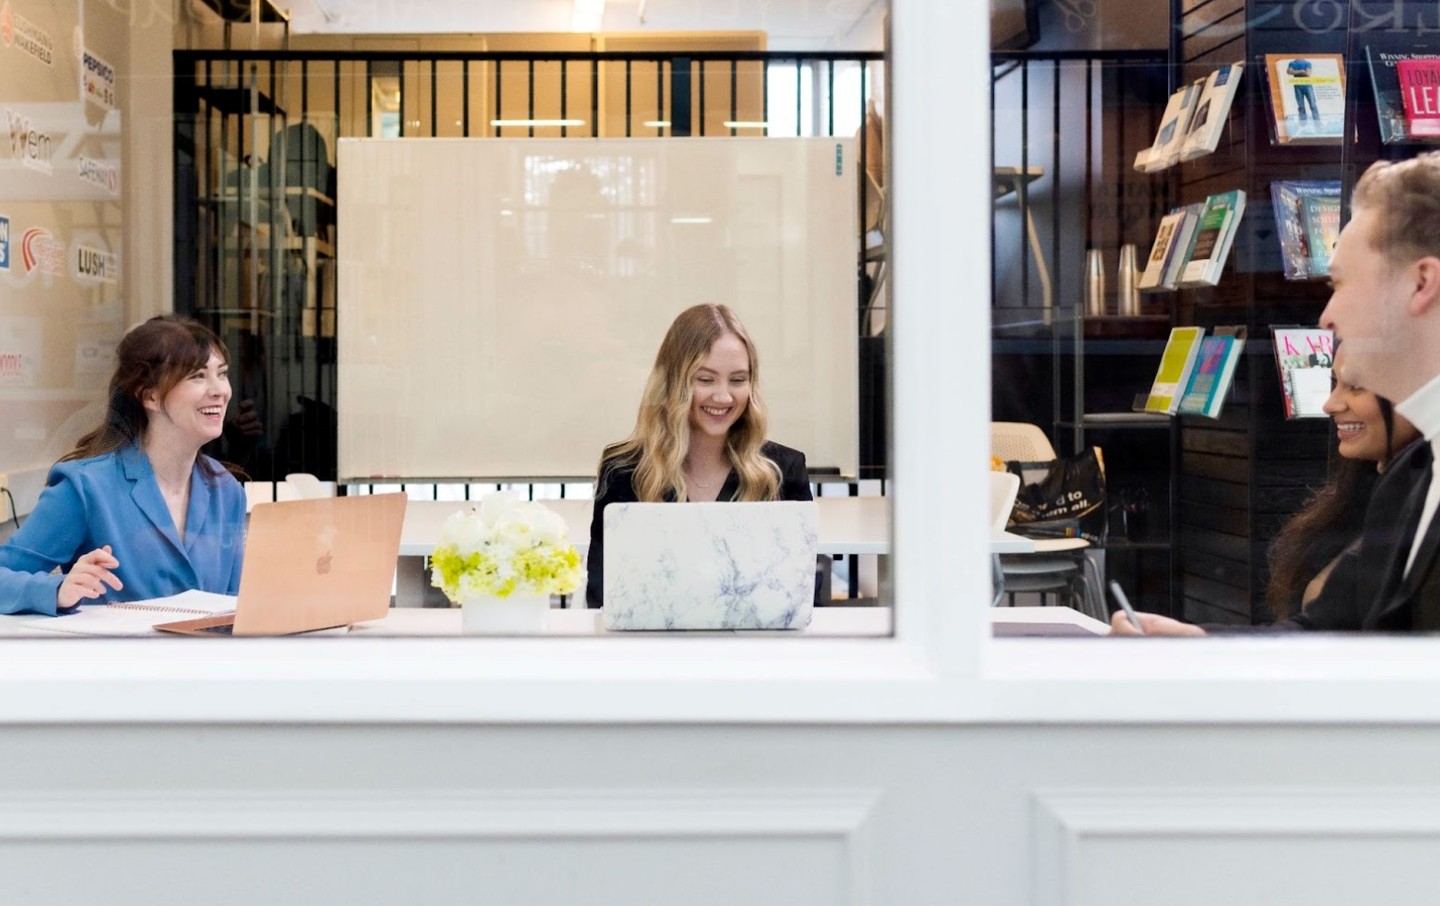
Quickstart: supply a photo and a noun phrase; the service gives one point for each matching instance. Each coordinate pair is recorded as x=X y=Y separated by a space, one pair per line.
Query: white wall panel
x=995 y=816
x=1236 y=846
x=445 y=846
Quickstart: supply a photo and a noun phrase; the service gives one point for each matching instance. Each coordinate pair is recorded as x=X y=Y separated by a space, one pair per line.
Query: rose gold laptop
x=312 y=564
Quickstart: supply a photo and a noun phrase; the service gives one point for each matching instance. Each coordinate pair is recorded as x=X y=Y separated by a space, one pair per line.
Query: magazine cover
x=1287 y=198
x=1304 y=356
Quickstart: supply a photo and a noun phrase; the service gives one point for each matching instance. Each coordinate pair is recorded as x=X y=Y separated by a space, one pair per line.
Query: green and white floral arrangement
x=504 y=547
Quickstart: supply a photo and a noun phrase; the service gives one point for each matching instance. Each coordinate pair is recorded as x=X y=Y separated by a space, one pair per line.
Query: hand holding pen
x=1126 y=621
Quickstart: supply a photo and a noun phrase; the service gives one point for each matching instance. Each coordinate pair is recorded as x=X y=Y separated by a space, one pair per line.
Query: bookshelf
x=1068 y=125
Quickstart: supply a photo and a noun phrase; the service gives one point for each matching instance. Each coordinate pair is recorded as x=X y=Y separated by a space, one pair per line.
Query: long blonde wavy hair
x=661 y=439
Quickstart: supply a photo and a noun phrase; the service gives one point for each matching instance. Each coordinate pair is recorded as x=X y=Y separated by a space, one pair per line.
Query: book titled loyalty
x=1420 y=95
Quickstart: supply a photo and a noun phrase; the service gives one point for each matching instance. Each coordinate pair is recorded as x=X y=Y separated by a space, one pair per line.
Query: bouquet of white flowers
x=504 y=547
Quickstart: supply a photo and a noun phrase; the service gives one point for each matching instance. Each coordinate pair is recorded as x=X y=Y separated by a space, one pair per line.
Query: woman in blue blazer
x=700 y=432
x=135 y=511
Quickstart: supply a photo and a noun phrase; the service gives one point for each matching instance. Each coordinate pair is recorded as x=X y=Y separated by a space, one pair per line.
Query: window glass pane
x=259 y=257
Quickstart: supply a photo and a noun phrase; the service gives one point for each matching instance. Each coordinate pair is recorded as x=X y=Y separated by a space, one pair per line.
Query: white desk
x=445 y=621
x=833 y=622
x=431 y=621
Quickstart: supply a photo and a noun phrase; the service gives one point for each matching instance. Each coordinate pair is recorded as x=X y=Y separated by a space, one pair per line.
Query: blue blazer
x=114 y=499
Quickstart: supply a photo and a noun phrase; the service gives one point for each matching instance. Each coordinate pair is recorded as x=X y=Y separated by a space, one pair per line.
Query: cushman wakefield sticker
x=19 y=32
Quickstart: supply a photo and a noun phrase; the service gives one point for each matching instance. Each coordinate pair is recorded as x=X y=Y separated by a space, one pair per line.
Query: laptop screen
x=710 y=565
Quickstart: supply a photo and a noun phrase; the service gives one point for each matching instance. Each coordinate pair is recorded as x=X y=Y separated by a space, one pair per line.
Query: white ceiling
x=789 y=24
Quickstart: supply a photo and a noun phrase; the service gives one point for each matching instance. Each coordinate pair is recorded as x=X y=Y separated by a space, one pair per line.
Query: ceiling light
x=586 y=15
x=501 y=123
x=691 y=220
x=746 y=124
x=656 y=124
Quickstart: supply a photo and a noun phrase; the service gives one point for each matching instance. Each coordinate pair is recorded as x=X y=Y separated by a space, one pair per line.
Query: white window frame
x=939 y=668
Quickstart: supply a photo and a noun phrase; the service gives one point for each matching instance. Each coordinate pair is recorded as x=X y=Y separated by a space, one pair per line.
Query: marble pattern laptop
x=710 y=565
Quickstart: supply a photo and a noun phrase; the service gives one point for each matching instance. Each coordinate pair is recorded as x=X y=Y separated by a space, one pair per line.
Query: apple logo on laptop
x=322 y=565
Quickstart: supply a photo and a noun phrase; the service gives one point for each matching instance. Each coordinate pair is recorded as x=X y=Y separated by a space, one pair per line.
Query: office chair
x=1003 y=488
x=308 y=487
x=1059 y=565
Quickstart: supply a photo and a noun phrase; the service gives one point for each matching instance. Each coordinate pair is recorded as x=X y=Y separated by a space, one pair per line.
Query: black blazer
x=1368 y=589
x=618 y=487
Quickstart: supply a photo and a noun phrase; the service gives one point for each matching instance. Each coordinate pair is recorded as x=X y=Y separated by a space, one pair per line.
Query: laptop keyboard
x=222 y=629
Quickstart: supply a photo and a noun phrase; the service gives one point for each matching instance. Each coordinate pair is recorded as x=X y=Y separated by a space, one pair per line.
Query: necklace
x=702 y=485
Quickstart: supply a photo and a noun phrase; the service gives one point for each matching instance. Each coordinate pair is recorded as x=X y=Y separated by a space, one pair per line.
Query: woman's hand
x=1153 y=624
x=88 y=577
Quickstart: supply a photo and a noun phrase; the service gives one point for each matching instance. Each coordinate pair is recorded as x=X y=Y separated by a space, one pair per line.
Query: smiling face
x=720 y=387
x=1359 y=421
x=194 y=409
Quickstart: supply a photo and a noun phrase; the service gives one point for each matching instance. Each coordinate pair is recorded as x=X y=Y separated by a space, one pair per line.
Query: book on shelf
x=1176 y=364
x=1303 y=356
x=1172 y=243
x=1420 y=95
x=1212 y=111
x=1307 y=98
x=1289 y=199
x=138 y=617
x=1321 y=216
x=1174 y=125
x=1384 y=50
x=1214 y=372
x=1214 y=234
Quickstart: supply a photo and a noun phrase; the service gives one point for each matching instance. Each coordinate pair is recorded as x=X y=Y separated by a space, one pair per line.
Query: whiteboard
x=501 y=300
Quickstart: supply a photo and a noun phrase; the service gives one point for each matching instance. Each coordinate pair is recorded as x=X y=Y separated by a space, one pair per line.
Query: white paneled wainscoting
x=1006 y=816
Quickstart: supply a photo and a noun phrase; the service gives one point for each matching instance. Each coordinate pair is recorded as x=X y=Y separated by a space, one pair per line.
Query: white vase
x=515 y=615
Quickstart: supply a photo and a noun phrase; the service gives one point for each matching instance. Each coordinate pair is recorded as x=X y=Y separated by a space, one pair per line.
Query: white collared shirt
x=1422 y=408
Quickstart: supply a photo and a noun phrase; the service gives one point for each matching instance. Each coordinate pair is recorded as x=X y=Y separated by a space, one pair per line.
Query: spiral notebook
x=138 y=617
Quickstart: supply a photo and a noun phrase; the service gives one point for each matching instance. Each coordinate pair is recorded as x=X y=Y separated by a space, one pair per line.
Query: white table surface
x=835 y=622
x=445 y=621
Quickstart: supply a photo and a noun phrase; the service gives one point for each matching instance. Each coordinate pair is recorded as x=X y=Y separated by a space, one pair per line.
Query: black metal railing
x=255 y=137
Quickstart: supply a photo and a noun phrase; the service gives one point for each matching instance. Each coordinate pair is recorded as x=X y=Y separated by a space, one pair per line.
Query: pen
x=1124 y=603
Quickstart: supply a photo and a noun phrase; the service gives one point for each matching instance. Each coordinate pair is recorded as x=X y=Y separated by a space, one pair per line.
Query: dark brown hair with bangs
x=155 y=355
